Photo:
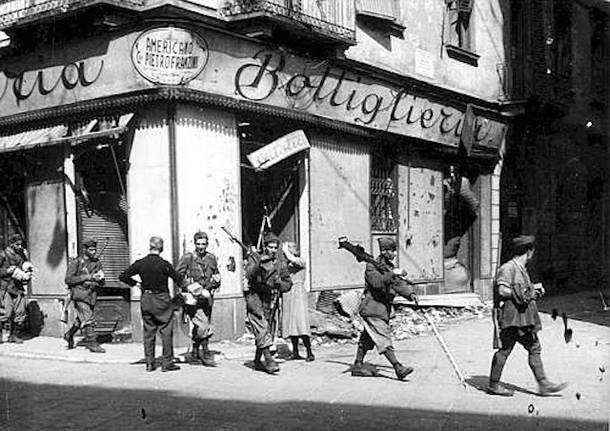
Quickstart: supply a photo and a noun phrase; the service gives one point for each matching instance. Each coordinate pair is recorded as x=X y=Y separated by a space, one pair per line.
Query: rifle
x=497 y=341
x=362 y=256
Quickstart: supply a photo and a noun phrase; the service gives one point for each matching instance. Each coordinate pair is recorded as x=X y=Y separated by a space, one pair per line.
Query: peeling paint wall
x=148 y=185
x=207 y=163
x=420 y=202
x=339 y=174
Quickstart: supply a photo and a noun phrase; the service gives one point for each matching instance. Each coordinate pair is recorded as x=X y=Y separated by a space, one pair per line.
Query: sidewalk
x=55 y=349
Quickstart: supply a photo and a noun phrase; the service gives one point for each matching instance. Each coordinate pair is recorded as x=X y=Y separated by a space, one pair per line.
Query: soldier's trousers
x=12 y=307
x=157 y=315
x=529 y=340
x=259 y=314
x=201 y=317
x=84 y=314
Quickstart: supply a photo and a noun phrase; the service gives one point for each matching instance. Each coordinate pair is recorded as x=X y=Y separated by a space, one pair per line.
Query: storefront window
x=384 y=199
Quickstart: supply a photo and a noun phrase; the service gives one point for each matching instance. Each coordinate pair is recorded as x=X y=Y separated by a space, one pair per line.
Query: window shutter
x=465 y=6
x=377 y=8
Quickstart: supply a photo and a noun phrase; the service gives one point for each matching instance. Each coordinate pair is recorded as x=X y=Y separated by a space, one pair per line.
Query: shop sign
x=278 y=150
x=169 y=55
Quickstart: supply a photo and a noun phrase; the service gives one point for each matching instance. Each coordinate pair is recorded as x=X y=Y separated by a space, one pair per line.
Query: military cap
x=387 y=244
x=271 y=237
x=89 y=242
x=523 y=243
x=156 y=243
x=523 y=240
x=200 y=235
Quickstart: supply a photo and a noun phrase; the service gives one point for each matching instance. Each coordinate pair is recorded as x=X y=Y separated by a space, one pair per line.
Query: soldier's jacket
x=265 y=275
x=520 y=310
x=77 y=275
x=381 y=287
x=8 y=258
x=199 y=269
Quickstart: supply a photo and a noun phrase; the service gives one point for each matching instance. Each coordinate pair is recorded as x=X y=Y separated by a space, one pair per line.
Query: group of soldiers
x=197 y=278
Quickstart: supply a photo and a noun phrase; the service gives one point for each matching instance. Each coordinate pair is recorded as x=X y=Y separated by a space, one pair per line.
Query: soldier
x=515 y=300
x=156 y=303
x=200 y=270
x=381 y=286
x=266 y=273
x=84 y=277
x=15 y=273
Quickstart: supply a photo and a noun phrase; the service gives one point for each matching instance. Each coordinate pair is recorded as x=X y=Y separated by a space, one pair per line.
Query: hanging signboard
x=169 y=55
x=278 y=150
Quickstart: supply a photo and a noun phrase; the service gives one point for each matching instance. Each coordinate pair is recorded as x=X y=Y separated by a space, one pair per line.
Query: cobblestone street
x=46 y=394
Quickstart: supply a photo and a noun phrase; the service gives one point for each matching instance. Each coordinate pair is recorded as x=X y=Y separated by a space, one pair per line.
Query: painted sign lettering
x=278 y=150
x=355 y=99
x=69 y=76
x=169 y=55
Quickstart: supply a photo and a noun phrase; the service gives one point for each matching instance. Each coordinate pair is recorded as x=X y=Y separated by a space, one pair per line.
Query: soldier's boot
x=401 y=371
x=547 y=388
x=193 y=356
x=495 y=388
x=92 y=343
x=258 y=364
x=207 y=357
x=13 y=336
x=359 y=370
x=69 y=336
x=271 y=367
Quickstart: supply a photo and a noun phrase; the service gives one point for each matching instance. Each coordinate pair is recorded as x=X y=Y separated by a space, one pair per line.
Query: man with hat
x=382 y=283
x=517 y=317
x=84 y=278
x=156 y=302
x=15 y=274
x=200 y=270
x=266 y=273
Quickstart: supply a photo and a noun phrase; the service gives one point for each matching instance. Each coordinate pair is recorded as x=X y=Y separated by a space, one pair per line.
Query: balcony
x=326 y=22
x=20 y=12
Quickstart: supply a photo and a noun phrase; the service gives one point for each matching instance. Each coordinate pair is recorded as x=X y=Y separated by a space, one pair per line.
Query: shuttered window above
x=383 y=9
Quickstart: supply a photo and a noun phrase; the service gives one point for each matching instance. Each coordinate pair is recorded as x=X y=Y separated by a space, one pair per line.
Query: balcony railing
x=16 y=11
x=334 y=18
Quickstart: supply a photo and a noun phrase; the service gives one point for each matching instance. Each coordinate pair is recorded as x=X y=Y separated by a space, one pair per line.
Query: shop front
x=148 y=132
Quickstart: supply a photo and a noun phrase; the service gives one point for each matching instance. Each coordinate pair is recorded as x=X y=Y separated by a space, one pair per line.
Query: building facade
x=555 y=181
x=122 y=120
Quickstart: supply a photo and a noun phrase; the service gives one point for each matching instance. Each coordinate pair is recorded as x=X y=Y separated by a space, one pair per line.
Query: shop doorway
x=460 y=208
x=102 y=214
x=270 y=197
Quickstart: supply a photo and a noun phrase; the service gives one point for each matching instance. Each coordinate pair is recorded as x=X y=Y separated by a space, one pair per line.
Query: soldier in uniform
x=84 y=277
x=515 y=300
x=266 y=273
x=200 y=270
x=15 y=273
x=156 y=303
x=381 y=286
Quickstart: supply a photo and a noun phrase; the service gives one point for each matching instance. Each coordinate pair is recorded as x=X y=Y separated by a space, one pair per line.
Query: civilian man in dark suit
x=156 y=303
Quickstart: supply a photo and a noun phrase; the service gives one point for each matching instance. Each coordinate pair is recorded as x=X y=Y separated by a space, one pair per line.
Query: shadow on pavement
x=482 y=382
x=32 y=406
x=586 y=306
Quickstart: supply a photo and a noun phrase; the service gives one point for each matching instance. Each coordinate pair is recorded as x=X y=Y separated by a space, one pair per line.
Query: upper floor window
x=384 y=13
x=459 y=34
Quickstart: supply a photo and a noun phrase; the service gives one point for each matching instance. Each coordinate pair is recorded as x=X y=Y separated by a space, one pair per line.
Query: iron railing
x=334 y=18
x=15 y=11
